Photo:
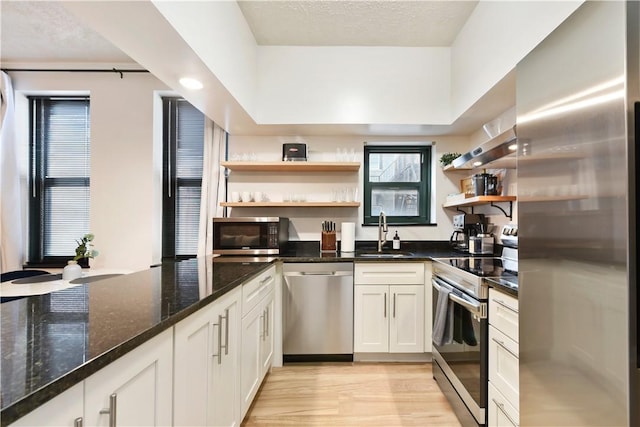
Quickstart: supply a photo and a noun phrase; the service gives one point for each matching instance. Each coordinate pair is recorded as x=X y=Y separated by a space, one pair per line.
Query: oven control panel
x=509 y=235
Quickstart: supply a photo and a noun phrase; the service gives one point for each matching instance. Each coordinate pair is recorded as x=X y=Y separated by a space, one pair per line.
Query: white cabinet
x=503 y=360
x=257 y=334
x=62 y=410
x=389 y=307
x=134 y=390
x=207 y=358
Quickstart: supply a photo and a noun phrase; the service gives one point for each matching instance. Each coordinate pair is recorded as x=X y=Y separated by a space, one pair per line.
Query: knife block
x=328 y=241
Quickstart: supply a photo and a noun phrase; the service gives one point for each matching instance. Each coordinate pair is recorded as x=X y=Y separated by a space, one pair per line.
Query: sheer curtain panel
x=11 y=223
x=213 y=188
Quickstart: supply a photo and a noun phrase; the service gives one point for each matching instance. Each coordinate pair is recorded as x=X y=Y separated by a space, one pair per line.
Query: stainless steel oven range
x=461 y=326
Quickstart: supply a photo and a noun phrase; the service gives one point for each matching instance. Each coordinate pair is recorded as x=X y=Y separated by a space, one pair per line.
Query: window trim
x=424 y=187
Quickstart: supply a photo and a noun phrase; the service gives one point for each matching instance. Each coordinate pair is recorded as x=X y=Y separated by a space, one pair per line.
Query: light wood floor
x=360 y=394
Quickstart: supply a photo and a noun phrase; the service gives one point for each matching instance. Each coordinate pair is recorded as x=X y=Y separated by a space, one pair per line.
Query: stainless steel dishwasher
x=318 y=312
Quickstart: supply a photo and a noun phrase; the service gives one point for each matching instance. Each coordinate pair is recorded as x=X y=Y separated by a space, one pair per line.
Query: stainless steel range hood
x=499 y=152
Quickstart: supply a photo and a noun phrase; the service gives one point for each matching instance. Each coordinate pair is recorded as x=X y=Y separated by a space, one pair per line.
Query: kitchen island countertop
x=52 y=342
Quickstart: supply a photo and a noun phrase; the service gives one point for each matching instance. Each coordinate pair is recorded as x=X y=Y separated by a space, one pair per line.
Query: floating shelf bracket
x=508 y=215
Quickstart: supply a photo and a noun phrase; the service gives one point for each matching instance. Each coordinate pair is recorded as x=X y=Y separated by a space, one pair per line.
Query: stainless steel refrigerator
x=576 y=100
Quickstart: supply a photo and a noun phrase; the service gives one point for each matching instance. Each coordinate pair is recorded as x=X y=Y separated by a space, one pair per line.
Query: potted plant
x=447 y=158
x=84 y=250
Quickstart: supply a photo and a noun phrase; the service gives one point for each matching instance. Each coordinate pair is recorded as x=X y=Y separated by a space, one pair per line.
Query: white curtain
x=11 y=239
x=213 y=185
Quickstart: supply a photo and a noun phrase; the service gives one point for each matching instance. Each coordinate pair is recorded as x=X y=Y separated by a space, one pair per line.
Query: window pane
x=394 y=202
x=66 y=136
x=66 y=219
x=187 y=220
x=190 y=141
x=394 y=167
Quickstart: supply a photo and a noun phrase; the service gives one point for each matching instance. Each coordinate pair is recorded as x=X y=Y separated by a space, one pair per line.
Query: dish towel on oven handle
x=443 y=319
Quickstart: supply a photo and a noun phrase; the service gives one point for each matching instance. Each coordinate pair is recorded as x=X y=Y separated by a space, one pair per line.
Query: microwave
x=250 y=235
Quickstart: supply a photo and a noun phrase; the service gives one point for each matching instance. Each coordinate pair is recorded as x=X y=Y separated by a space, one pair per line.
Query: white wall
x=318 y=186
x=126 y=198
x=497 y=35
x=374 y=85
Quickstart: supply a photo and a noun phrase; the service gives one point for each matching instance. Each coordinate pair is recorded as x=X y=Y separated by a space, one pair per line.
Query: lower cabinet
x=257 y=349
x=207 y=359
x=62 y=410
x=504 y=360
x=389 y=318
x=136 y=389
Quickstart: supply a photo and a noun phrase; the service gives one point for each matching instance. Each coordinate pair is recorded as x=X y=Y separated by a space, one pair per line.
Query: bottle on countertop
x=396 y=241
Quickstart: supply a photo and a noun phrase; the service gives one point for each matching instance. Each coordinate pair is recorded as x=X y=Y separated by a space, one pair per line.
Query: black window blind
x=60 y=176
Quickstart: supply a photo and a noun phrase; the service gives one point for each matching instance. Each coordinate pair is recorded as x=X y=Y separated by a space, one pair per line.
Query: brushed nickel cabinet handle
x=503 y=304
x=77 y=422
x=394 y=305
x=501 y=344
x=219 y=326
x=385 y=304
x=226 y=331
x=111 y=410
x=501 y=407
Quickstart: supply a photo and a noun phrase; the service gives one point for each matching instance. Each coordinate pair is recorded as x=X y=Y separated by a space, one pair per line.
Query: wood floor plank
x=351 y=394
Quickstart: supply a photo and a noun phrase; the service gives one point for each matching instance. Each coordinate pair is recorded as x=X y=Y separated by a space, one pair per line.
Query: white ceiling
x=43 y=34
x=356 y=23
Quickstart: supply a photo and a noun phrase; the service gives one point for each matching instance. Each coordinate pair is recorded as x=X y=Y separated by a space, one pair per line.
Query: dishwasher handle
x=317 y=273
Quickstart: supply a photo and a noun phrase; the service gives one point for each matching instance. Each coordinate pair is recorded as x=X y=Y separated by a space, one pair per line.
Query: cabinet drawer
x=257 y=288
x=389 y=273
x=503 y=313
x=504 y=366
x=501 y=413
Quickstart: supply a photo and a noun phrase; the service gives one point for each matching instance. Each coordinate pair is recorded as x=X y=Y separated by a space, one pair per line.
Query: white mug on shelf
x=235 y=196
x=246 y=196
x=258 y=197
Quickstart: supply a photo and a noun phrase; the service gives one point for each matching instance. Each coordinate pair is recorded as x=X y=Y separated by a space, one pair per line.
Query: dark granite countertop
x=309 y=251
x=51 y=342
x=502 y=286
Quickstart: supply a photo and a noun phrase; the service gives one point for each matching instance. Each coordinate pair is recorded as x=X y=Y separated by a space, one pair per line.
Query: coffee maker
x=465 y=226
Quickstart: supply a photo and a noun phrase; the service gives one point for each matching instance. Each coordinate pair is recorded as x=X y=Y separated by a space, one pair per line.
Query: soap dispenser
x=396 y=241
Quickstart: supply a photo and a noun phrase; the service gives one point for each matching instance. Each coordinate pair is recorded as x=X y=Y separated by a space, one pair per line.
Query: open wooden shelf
x=292 y=166
x=479 y=200
x=291 y=204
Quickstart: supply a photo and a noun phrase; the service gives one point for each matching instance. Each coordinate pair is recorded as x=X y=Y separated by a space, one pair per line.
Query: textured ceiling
x=356 y=23
x=44 y=31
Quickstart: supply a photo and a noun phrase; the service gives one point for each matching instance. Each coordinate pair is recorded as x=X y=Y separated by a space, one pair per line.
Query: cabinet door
x=60 y=411
x=141 y=384
x=504 y=365
x=251 y=364
x=193 y=345
x=371 y=319
x=225 y=386
x=406 y=321
x=500 y=412
x=266 y=344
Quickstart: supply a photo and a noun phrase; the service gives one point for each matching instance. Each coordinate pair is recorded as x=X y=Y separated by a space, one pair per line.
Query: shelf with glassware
x=290 y=204
x=302 y=166
x=298 y=166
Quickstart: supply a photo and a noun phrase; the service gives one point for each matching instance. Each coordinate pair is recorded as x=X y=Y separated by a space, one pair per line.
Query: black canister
x=485 y=184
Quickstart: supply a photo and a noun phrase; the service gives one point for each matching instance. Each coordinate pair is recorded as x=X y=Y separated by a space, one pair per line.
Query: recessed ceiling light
x=477 y=163
x=191 y=83
x=513 y=147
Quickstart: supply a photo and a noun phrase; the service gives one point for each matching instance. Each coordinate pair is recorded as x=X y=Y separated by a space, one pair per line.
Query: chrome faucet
x=382 y=227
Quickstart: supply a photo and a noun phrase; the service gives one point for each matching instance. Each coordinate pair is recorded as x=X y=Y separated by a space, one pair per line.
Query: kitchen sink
x=384 y=254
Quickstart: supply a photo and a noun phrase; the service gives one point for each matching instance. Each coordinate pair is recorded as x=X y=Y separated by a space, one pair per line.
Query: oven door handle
x=478 y=309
